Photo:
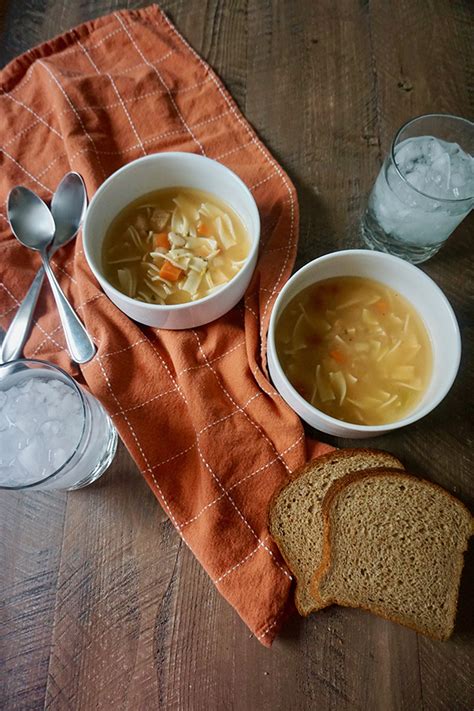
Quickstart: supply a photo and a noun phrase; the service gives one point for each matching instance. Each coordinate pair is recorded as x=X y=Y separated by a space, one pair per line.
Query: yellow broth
x=174 y=246
x=355 y=349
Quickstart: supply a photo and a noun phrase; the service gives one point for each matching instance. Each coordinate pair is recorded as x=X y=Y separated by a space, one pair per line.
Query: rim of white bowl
x=154 y=156
x=424 y=278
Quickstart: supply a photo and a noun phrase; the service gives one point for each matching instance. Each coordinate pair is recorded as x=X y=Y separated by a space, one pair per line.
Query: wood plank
x=21 y=25
x=31 y=529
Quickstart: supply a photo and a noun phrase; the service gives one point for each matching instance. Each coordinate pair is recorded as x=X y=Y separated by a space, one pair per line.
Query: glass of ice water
x=425 y=187
x=53 y=433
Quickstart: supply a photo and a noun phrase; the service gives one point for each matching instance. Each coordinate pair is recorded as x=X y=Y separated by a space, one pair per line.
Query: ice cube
x=3 y=399
x=4 y=421
x=22 y=405
x=66 y=442
x=34 y=458
x=61 y=388
x=26 y=424
x=440 y=173
x=417 y=177
x=57 y=457
x=435 y=149
x=407 y=152
x=51 y=411
x=69 y=401
x=9 y=475
x=10 y=441
x=463 y=165
x=9 y=406
x=41 y=388
x=458 y=180
x=57 y=391
x=50 y=429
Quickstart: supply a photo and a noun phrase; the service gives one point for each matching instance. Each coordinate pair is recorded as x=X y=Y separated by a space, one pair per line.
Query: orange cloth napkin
x=194 y=408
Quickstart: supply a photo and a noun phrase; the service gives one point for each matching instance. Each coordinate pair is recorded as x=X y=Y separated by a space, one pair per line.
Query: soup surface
x=173 y=246
x=355 y=349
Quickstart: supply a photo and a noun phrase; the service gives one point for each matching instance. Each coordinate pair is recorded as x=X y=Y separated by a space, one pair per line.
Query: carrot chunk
x=160 y=239
x=338 y=356
x=381 y=306
x=169 y=272
x=203 y=230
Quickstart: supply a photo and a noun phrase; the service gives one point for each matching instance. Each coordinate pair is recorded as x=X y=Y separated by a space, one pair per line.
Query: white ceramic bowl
x=166 y=170
x=414 y=285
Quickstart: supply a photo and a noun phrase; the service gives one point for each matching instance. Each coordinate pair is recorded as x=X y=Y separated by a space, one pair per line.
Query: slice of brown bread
x=295 y=521
x=394 y=544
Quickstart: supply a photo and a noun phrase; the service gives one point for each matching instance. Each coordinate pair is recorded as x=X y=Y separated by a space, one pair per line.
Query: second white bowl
x=421 y=291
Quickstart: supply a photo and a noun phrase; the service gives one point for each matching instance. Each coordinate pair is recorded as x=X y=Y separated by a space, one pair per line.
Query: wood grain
x=103 y=606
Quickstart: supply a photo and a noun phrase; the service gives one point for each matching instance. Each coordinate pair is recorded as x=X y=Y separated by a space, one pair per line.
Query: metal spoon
x=33 y=226
x=68 y=208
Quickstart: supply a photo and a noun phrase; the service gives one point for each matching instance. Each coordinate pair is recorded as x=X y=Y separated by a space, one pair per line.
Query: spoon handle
x=18 y=330
x=79 y=343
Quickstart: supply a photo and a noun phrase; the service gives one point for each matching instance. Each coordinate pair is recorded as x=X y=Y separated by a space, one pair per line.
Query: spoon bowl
x=68 y=208
x=31 y=221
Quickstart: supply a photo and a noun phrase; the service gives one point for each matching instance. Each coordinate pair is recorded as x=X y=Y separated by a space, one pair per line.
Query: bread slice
x=394 y=545
x=295 y=521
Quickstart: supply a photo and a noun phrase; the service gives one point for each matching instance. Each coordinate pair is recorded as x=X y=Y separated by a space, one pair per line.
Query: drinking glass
x=425 y=187
x=53 y=433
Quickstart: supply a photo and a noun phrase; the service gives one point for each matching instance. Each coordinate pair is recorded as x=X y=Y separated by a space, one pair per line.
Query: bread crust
x=324 y=458
x=334 y=490
x=339 y=454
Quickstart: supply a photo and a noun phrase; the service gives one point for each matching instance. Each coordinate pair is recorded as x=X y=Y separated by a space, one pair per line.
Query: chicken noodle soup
x=173 y=246
x=355 y=349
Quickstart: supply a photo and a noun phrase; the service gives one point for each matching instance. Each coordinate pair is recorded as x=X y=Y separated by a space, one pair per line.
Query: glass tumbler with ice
x=425 y=188
x=53 y=434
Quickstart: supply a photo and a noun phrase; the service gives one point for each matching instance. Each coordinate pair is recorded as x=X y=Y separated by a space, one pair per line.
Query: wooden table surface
x=102 y=606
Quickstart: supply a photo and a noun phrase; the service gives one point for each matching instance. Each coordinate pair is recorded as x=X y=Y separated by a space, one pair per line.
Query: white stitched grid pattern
x=40 y=346
x=98 y=107
x=237 y=565
x=133 y=147
x=40 y=119
x=117 y=93
x=178 y=374
x=8 y=311
x=121 y=73
x=229 y=396
x=239 y=512
x=208 y=467
x=180 y=115
x=63 y=92
x=198 y=433
x=38 y=325
x=147 y=464
x=27 y=172
x=127 y=114
x=267 y=629
x=59 y=268
x=241 y=481
x=216 y=479
x=77 y=253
